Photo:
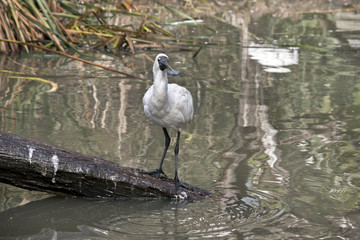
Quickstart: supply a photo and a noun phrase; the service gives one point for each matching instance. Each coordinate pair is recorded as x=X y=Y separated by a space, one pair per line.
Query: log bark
x=33 y=165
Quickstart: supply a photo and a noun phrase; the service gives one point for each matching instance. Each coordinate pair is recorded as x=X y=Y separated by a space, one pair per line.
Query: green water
x=275 y=135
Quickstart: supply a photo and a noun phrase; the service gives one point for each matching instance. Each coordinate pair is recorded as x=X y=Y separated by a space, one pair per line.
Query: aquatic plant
x=63 y=25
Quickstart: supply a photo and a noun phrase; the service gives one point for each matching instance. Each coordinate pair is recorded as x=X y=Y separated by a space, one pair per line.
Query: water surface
x=275 y=135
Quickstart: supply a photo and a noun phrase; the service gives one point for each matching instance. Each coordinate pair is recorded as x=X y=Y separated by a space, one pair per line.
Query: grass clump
x=63 y=25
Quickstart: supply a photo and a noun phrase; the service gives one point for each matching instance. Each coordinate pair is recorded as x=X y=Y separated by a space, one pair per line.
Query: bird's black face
x=163 y=63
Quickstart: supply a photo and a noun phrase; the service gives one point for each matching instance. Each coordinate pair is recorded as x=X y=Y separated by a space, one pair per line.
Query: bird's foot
x=157 y=173
x=183 y=185
x=179 y=184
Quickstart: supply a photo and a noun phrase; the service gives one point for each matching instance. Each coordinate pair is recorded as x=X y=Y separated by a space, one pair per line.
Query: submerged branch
x=70 y=56
x=53 y=85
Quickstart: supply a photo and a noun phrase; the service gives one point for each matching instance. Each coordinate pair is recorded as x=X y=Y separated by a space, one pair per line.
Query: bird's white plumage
x=167 y=105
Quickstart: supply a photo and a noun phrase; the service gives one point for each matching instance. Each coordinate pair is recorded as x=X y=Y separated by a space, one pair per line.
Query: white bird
x=169 y=106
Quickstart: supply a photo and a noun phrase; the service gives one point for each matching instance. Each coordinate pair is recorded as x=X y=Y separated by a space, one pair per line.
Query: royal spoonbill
x=169 y=106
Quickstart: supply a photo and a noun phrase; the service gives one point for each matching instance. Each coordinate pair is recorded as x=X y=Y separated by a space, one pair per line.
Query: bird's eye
x=159 y=59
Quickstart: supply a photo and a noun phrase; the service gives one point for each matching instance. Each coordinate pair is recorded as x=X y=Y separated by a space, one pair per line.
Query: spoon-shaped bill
x=173 y=72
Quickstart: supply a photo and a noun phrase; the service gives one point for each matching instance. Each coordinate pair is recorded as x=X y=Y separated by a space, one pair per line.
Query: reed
x=66 y=25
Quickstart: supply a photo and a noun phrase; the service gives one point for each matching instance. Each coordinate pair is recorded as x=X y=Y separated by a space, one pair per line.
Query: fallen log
x=33 y=165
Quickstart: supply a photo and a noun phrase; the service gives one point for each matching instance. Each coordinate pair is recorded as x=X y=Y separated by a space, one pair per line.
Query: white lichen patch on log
x=55 y=161
x=31 y=151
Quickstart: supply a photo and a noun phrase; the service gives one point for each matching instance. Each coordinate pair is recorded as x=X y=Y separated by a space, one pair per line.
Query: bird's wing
x=146 y=101
x=182 y=100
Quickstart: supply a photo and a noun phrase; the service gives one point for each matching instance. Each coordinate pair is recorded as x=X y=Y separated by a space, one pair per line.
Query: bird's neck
x=161 y=85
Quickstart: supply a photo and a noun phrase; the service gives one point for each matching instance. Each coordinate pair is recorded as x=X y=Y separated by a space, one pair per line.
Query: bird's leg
x=159 y=170
x=176 y=178
x=176 y=151
x=167 y=143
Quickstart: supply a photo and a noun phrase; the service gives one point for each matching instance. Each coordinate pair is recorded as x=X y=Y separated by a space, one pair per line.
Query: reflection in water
x=274 y=59
x=91 y=111
x=133 y=218
x=280 y=150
